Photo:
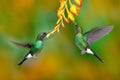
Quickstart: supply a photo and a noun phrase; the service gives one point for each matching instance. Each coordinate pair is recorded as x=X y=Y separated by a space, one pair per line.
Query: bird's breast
x=80 y=41
x=38 y=44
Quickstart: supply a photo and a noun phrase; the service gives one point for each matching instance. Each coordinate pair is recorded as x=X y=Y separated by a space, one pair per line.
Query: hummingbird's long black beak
x=44 y=35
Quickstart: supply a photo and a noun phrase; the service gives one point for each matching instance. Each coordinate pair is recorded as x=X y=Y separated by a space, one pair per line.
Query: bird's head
x=41 y=36
x=78 y=29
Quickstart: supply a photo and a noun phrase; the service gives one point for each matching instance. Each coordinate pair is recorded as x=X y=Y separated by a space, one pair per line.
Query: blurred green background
x=22 y=20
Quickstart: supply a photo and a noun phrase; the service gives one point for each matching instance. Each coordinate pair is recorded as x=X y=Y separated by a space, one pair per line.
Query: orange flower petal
x=62 y=4
x=74 y=9
x=78 y=2
x=63 y=25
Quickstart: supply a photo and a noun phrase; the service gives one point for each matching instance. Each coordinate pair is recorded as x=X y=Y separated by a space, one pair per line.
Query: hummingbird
x=83 y=40
x=34 y=47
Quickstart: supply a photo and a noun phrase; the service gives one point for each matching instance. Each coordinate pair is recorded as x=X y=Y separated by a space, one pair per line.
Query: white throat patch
x=89 y=51
x=29 y=56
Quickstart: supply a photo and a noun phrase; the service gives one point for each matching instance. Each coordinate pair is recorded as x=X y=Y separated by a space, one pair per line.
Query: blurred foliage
x=60 y=59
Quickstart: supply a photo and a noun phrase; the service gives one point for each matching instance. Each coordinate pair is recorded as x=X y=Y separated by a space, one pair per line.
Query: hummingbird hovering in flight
x=34 y=47
x=83 y=40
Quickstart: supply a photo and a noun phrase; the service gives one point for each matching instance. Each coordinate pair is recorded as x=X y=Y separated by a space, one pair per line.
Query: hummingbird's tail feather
x=27 y=56
x=22 y=61
x=96 y=55
x=90 y=51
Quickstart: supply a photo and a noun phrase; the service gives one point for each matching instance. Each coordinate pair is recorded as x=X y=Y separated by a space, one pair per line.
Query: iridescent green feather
x=38 y=45
x=80 y=41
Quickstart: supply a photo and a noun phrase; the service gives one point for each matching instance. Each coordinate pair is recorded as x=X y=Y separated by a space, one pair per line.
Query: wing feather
x=97 y=33
x=27 y=45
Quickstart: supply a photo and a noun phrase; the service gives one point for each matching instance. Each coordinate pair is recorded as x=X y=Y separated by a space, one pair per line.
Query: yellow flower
x=71 y=16
x=74 y=9
x=66 y=20
x=57 y=22
x=59 y=14
x=78 y=2
x=61 y=8
x=48 y=35
x=62 y=3
x=53 y=31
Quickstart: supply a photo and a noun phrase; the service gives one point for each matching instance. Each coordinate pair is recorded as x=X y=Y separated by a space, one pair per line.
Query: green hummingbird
x=34 y=47
x=83 y=40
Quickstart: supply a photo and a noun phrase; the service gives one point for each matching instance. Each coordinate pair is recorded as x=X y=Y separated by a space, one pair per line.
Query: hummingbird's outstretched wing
x=27 y=45
x=97 y=33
